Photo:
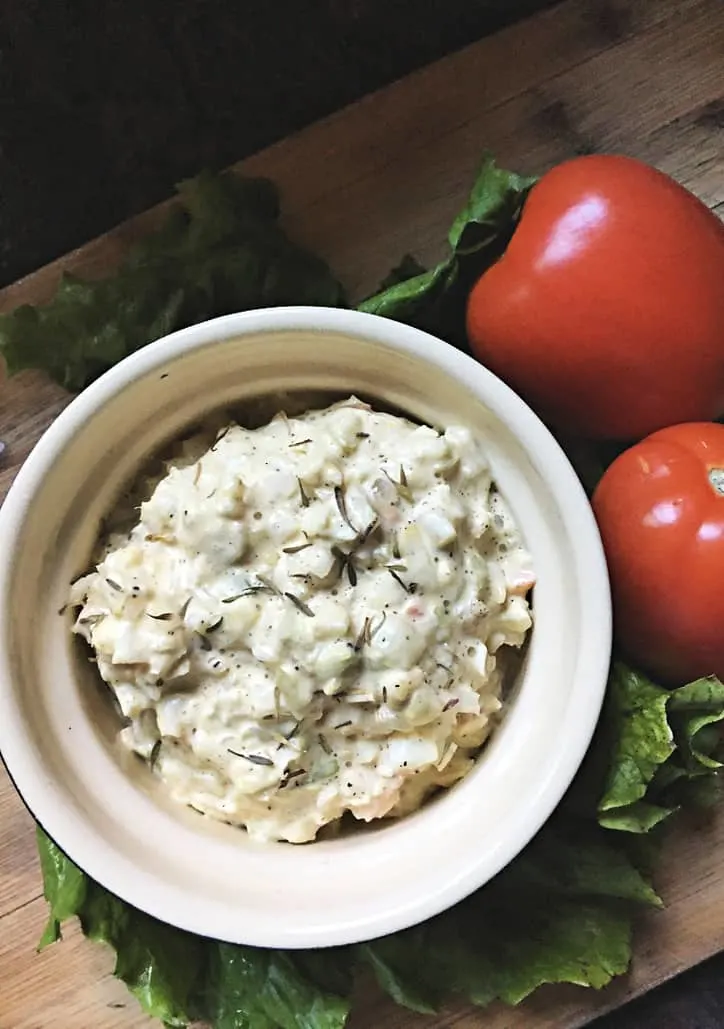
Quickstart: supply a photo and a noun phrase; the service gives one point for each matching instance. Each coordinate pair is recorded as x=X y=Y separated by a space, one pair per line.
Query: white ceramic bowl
x=57 y=730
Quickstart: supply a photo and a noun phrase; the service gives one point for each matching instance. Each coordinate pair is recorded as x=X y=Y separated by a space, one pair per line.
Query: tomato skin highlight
x=660 y=511
x=606 y=311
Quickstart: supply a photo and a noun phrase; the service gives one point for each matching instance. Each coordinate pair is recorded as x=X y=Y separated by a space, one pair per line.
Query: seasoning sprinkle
x=384 y=694
x=453 y=702
x=363 y=536
x=330 y=578
x=292 y=775
x=248 y=592
x=216 y=625
x=164 y=617
x=362 y=435
x=254 y=759
x=373 y=632
x=154 y=753
x=300 y=443
x=267 y=584
x=323 y=744
x=90 y=619
x=397 y=579
x=364 y=635
x=296 y=550
x=300 y=605
x=340 y=562
x=302 y=495
x=114 y=586
x=396 y=548
x=343 y=725
x=342 y=506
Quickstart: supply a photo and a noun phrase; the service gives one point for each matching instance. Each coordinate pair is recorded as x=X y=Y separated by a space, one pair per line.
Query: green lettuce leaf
x=408 y=268
x=159 y=964
x=561 y=912
x=220 y=250
x=434 y=300
x=696 y=711
x=64 y=888
x=178 y=977
x=667 y=747
x=636 y=710
x=260 y=988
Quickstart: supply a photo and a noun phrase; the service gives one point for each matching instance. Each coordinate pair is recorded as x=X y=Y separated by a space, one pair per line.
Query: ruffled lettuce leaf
x=179 y=977
x=220 y=250
x=64 y=888
x=561 y=912
x=434 y=300
x=667 y=749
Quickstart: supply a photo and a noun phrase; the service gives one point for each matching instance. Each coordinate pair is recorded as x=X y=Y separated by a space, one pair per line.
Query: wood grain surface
x=383 y=177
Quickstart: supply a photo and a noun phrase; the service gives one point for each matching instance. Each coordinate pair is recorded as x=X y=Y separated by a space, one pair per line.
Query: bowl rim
x=66 y=826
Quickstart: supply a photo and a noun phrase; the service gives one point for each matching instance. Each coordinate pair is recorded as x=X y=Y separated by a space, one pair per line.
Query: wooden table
x=371 y=182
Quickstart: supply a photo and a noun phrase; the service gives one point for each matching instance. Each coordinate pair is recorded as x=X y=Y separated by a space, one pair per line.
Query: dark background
x=105 y=105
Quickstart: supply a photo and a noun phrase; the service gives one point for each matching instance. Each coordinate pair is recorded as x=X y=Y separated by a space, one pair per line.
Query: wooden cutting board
x=380 y=178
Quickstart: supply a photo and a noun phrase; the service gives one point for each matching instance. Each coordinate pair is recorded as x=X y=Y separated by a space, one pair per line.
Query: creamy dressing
x=308 y=618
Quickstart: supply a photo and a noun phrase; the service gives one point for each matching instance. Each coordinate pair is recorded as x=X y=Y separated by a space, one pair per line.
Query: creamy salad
x=311 y=618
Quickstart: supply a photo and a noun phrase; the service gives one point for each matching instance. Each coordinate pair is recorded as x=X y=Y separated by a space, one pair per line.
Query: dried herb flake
x=397 y=579
x=254 y=759
x=297 y=549
x=300 y=605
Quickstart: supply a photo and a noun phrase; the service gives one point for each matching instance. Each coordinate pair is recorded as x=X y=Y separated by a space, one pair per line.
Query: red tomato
x=607 y=309
x=660 y=509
